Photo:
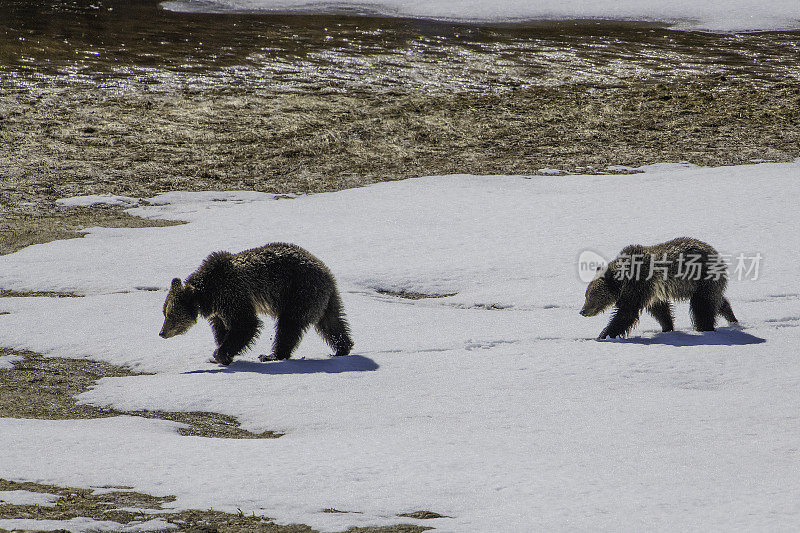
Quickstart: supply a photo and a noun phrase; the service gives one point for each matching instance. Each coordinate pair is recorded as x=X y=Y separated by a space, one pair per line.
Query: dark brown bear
x=280 y=280
x=650 y=277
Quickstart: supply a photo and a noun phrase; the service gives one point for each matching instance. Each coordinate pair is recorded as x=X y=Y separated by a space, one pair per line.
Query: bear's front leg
x=237 y=339
x=621 y=323
x=220 y=333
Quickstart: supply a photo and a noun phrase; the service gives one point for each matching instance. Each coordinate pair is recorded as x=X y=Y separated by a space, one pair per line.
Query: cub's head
x=601 y=293
x=180 y=310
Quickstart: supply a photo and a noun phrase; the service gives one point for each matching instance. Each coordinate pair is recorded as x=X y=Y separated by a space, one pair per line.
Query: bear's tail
x=333 y=326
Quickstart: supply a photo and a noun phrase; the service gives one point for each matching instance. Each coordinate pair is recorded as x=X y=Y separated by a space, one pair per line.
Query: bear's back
x=670 y=270
x=283 y=278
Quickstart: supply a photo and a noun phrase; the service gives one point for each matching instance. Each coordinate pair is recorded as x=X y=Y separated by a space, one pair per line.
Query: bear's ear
x=600 y=272
x=176 y=284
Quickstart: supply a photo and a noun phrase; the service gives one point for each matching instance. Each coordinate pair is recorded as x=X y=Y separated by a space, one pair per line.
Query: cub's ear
x=188 y=290
x=176 y=284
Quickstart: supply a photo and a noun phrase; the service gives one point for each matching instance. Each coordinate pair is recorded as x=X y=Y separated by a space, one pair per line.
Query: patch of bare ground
x=46 y=387
x=127 y=507
x=81 y=141
x=24 y=225
x=422 y=515
x=412 y=295
x=9 y=293
x=400 y=528
x=77 y=141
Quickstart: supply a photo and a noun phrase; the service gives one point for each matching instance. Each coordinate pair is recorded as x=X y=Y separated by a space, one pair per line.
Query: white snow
x=716 y=15
x=26 y=497
x=495 y=407
x=179 y=197
x=7 y=361
x=552 y=171
x=98 y=199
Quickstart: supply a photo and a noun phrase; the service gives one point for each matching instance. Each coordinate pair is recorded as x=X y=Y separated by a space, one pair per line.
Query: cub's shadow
x=334 y=365
x=720 y=337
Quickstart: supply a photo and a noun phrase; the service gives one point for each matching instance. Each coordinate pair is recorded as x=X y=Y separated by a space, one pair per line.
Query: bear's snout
x=583 y=312
x=164 y=333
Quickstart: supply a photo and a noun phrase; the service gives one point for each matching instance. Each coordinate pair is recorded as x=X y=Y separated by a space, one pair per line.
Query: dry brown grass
x=22 y=226
x=126 y=506
x=46 y=387
x=81 y=142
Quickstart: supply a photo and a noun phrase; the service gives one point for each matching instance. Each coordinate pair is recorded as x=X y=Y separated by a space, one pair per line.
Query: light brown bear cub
x=281 y=280
x=649 y=277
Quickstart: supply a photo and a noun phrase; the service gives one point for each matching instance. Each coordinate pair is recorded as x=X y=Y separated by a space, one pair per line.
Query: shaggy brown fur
x=280 y=280
x=649 y=277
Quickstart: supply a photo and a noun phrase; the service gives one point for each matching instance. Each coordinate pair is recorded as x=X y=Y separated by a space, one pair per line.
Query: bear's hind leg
x=334 y=328
x=704 y=311
x=287 y=335
x=726 y=312
x=662 y=311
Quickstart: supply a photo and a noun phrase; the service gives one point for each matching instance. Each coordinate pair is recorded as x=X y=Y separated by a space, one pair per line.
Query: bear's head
x=602 y=292
x=180 y=310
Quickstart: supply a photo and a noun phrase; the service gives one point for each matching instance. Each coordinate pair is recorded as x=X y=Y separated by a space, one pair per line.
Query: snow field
x=495 y=407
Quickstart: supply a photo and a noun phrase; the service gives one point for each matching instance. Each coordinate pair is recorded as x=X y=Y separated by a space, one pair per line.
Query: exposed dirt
x=422 y=515
x=46 y=387
x=411 y=295
x=8 y=293
x=23 y=225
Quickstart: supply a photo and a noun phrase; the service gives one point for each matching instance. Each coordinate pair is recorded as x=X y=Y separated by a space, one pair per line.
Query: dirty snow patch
x=26 y=497
x=91 y=200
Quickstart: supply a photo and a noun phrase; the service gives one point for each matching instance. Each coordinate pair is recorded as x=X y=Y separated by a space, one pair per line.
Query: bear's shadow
x=333 y=365
x=729 y=336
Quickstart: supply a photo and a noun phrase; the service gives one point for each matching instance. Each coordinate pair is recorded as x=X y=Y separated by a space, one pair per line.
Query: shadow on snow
x=720 y=337
x=334 y=365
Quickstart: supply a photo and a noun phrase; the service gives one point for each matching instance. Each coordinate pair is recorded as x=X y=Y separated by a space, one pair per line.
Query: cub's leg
x=287 y=334
x=621 y=323
x=626 y=314
x=219 y=329
x=704 y=308
x=726 y=312
x=240 y=336
x=662 y=311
